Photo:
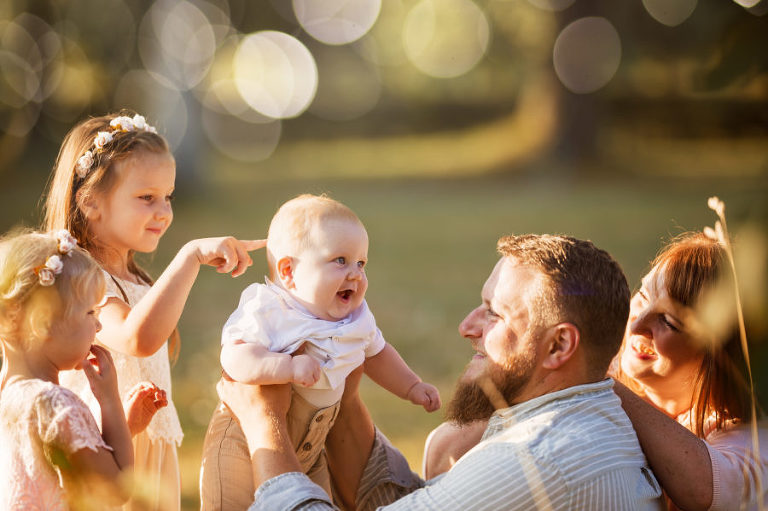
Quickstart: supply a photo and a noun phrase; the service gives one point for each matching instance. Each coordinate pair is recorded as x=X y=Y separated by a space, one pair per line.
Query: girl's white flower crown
x=54 y=264
x=121 y=124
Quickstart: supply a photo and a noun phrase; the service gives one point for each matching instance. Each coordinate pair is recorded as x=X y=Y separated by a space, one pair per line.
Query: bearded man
x=552 y=316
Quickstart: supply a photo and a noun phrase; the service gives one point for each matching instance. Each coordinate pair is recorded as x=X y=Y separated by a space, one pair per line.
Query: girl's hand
x=425 y=395
x=141 y=404
x=306 y=370
x=100 y=371
x=227 y=254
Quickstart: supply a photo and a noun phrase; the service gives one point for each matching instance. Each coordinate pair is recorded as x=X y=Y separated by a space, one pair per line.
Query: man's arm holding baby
x=388 y=369
x=253 y=363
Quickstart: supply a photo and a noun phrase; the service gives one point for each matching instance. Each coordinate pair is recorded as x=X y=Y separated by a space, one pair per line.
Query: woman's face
x=658 y=351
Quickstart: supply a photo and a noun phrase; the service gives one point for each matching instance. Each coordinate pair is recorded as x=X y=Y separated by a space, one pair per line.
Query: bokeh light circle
x=177 y=41
x=587 y=54
x=158 y=100
x=670 y=12
x=336 y=21
x=239 y=139
x=445 y=38
x=552 y=5
x=349 y=86
x=275 y=74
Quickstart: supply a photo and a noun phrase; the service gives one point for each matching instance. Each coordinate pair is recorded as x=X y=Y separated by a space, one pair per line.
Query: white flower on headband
x=139 y=122
x=67 y=242
x=54 y=264
x=122 y=123
x=102 y=138
x=47 y=273
x=46 y=276
x=84 y=164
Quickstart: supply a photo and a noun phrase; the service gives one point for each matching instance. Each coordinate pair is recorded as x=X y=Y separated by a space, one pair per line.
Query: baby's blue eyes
x=343 y=261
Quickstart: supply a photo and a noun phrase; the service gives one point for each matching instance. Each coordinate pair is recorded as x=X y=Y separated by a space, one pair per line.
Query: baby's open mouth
x=345 y=295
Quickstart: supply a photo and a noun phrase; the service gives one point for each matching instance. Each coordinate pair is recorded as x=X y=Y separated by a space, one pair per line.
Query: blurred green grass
x=432 y=246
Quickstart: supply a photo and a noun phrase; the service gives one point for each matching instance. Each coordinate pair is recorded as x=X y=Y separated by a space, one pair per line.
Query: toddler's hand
x=425 y=395
x=100 y=371
x=306 y=370
x=141 y=404
x=227 y=254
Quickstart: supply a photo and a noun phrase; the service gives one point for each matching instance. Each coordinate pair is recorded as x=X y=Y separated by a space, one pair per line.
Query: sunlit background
x=443 y=123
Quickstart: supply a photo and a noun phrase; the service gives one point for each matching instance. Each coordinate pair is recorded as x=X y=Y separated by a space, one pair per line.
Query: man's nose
x=471 y=327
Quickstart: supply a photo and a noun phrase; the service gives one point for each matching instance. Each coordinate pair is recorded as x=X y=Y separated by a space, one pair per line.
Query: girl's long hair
x=68 y=194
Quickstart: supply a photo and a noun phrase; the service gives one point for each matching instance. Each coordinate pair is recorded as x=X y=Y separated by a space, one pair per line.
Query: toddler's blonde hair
x=292 y=227
x=24 y=300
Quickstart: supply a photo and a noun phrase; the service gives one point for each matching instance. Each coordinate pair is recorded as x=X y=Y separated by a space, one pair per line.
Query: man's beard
x=496 y=388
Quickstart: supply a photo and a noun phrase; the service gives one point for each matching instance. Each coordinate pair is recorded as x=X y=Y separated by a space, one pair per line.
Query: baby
x=309 y=325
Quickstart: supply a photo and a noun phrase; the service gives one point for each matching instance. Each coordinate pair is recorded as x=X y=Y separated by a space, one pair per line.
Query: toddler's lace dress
x=40 y=421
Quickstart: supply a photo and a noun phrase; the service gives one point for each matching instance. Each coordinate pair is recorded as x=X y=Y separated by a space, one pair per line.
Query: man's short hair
x=583 y=285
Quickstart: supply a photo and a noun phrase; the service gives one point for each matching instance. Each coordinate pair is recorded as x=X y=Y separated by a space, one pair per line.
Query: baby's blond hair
x=22 y=297
x=292 y=227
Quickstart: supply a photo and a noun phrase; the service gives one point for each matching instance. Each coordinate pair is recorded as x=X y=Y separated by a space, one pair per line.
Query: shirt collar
x=522 y=411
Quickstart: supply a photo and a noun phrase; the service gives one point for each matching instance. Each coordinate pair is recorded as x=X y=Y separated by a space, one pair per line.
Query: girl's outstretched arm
x=140 y=331
x=388 y=369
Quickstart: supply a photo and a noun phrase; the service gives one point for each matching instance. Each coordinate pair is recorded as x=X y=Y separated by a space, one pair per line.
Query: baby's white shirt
x=269 y=316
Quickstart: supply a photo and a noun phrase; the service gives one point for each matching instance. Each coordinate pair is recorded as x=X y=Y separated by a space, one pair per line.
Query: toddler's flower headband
x=54 y=264
x=121 y=124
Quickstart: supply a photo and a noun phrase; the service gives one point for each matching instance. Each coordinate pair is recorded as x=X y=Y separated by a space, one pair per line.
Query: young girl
x=51 y=444
x=112 y=188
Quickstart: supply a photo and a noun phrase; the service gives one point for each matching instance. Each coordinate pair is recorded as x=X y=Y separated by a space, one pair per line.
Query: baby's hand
x=425 y=395
x=100 y=371
x=141 y=404
x=306 y=370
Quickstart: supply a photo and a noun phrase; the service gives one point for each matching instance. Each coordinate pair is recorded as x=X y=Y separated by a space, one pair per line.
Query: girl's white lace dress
x=40 y=422
x=156 y=462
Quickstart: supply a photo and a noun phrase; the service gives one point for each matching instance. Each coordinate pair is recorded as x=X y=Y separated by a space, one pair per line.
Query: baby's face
x=329 y=276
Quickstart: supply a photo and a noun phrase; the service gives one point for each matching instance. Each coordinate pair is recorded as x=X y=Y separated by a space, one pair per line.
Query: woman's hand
x=227 y=254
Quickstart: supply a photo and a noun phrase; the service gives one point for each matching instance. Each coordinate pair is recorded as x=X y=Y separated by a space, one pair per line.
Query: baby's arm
x=388 y=369
x=252 y=363
x=140 y=331
x=104 y=474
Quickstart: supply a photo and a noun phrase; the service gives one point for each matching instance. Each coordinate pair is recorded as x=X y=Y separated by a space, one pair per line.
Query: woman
x=691 y=404
x=690 y=401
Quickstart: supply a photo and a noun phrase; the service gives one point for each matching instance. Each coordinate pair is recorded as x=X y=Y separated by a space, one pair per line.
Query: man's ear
x=285 y=272
x=564 y=338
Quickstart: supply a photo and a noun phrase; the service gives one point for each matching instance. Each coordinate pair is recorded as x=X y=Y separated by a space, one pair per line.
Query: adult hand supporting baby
x=350 y=441
x=261 y=411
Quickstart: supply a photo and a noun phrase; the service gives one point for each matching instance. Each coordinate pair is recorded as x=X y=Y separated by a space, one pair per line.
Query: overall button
x=319 y=418
x=307 y=446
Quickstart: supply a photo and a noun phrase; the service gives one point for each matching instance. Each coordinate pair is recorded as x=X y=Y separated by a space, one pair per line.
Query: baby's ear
x=285 y=272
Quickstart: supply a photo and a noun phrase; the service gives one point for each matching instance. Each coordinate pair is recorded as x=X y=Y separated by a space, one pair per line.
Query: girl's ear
x=90 y=208
x=285 y=272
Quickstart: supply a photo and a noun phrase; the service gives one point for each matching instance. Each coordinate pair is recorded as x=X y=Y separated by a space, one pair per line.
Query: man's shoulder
x=585 y=428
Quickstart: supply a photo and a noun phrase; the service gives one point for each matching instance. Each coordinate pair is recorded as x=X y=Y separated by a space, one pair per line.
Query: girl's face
x=135 y=214
x=659 y=352
x=71 y=335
